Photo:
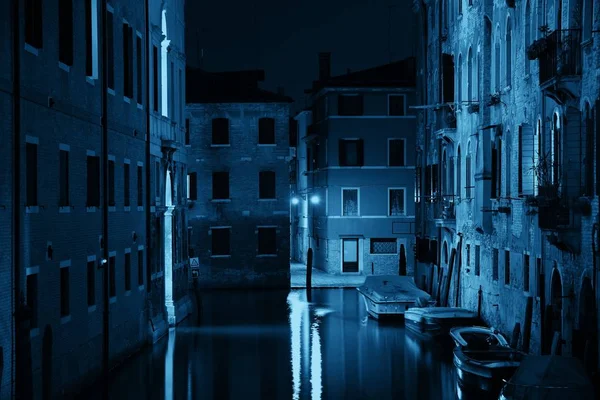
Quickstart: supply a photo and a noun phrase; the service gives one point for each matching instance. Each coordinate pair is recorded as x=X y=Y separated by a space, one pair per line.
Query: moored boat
x=391 y=295
x=434 y=321
x=483 y=358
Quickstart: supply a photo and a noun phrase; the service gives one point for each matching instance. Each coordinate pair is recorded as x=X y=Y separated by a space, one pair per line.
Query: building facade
x=238 y=180
x=78 y=138
x=508 y=166
x=358 y=170
x=299 y=191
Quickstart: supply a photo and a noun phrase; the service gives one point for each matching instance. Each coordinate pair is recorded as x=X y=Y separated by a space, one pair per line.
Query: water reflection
x=276 y=345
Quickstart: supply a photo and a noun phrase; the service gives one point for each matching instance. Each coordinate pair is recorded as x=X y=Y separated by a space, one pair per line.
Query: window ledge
x=220 y=145
x=65 y=319
x=267 y=200
x=32 y=209
x=507 y=89
x=112 y=208
x=91 y=209
x=90 y=80
x=188 y=145
x=126 y=99
x=127 y=208
x=141 y=288
x=527 y=77
x=221 y=256
x=110 y=91
x=587 y=42
x=34 y=332
x=220 y=201
x=33 y=50
x=112 y=300
x=64 y=209
x=64 y=67
x=350 y=216
x=91 y=309
x=139 y=106
x=266 y=255
x=267 y=145
x=152 y=208
x=140 y=208
x=128 y=292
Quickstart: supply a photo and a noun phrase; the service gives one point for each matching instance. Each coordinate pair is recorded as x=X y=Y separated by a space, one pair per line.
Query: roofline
x=326 y=89
x=200 y=104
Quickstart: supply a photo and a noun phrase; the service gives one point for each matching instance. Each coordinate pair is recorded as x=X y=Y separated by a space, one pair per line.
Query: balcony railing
x=442 y=207
x=562 y=56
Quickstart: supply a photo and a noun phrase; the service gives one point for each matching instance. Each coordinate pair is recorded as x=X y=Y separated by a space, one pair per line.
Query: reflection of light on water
x=296 y=309
x=189 y=396
x=169 y=363
x=315 y=362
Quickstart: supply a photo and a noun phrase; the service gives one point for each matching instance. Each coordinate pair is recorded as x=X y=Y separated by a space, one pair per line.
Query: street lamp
x=314 y=199
x=295 y=201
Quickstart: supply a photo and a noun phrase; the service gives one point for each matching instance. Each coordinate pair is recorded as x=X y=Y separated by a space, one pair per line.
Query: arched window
x=445 y=11
x=468 y=172
x=460 y=5
x=458 y=174
x=497 y=62
x=589 y=150
x=444 y=174
x=445 y=253
x=537 y=145
x=164 y=67
x=588 y=18
x=470 y=75
x=527 y=35
x=476 y=77
x=508 y=156
x=459 y=80
x=555 y=149
x=508 y=51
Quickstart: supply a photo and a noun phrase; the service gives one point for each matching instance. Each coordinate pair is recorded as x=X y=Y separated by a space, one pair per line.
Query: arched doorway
x=585 y=346
x=402 y=261
x=556 y=298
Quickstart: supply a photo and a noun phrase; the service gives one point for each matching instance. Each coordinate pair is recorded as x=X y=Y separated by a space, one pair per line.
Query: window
x=497 y=64
x=396 y=155
x=383 y=246
x=350 y=104
x=155 y=78
x=33 y=23
x=460 y=6
x=140 y=186
x=309 y=159
x=111 y=183
x=32 y=174
x=127 y=60
x=157 y=179
x=93 y=181
x=396 y=203
x=220 y=131
x=508 y=54
x=220 y=241
x=187 y=131
x=350 y=203
x=556 y=150
x=351 y=152
x=418 y=194
x=140 y=262
x=470 y=75
x=267 y=241
x=539 y=277
x=527 y=35
x=91 y=283
x=266 y=183
x=588 y=18
x=468 y=256
x=397 y=105
x=64 y=292
x=138 y=59
x=192 y=186
x=526 y=272
x=468 y=184
x=126 y=187
x=91 y=39
x=477 y=260
x=172 y=94
x=458 y=174
x=526 y=159
x=589 y=150
x=32 y=298
x=112 y=287
x=507 y=267
x=459 y=80
x=220 y=185
x=495 y=263
x=447 y=78
x=496 y=168
x=65 y=32
x=63 y=178
x=266 y=131
x=110 y=47
x=127 y=271
x=507 y=150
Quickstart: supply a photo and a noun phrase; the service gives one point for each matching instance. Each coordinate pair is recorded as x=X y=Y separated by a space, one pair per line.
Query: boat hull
x=434 y=326
x=387 y=310
x=489 y=374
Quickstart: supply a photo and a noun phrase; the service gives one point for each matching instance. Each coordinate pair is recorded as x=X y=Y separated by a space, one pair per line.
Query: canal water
x=276 y=345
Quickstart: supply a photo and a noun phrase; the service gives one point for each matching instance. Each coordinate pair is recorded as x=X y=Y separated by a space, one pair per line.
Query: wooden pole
x=449 y=276
x=458 y=268
x=309 y=261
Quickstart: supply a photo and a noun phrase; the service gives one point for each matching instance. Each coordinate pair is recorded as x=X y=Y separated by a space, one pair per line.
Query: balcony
x=162 y=128
x=443 y=211
x=561 y=60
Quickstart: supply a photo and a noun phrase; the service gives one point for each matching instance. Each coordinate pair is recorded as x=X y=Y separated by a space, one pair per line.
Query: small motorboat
x=392 y=295
x=483 y=358
x=549 y=378
x=435 y=321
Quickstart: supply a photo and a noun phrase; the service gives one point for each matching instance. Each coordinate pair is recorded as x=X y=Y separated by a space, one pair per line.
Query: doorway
x=402 y=261
x=349 y=255
x=556 y=299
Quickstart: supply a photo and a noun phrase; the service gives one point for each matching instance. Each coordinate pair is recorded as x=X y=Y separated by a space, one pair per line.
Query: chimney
x=324 y=65
x=280 y=91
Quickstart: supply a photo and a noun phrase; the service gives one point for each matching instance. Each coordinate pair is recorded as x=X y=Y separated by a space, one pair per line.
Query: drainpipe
x=105 y=265
x=147 y=155
x=16 y=192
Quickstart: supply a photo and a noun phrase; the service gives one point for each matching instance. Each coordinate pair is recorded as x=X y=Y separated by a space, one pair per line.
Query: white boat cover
x=441 y=312
x=392 y=289
x=549 y=378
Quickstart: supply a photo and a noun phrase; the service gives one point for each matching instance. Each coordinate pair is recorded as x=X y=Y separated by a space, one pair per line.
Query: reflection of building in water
x=305 y=346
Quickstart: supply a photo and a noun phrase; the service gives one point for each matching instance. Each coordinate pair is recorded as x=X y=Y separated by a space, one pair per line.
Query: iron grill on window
x=383 y=246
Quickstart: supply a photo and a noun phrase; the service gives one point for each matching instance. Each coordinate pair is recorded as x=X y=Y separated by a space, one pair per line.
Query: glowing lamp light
x=314 y=199
x=295 y=201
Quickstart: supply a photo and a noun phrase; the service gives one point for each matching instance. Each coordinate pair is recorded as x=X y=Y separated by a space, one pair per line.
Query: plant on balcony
x=543 y=169
x=473 y=108
x=494 y=99
x=537 y=48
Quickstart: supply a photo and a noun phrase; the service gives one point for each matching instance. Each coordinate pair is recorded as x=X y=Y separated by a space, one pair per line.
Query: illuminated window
x=396 y=202
x=350 y=202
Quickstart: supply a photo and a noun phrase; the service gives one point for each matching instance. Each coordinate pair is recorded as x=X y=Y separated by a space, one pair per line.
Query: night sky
x=283 y=37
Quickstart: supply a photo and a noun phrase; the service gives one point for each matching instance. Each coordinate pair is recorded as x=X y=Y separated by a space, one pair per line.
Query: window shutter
x=360 y=150
x=526 y=147
x=342 y=153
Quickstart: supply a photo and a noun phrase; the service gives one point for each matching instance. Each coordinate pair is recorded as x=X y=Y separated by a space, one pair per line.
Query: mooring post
x=309 y=261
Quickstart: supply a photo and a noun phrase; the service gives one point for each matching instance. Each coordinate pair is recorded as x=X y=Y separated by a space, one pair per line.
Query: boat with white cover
x=483 y=358
x=434 y=321
x=392 y=295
